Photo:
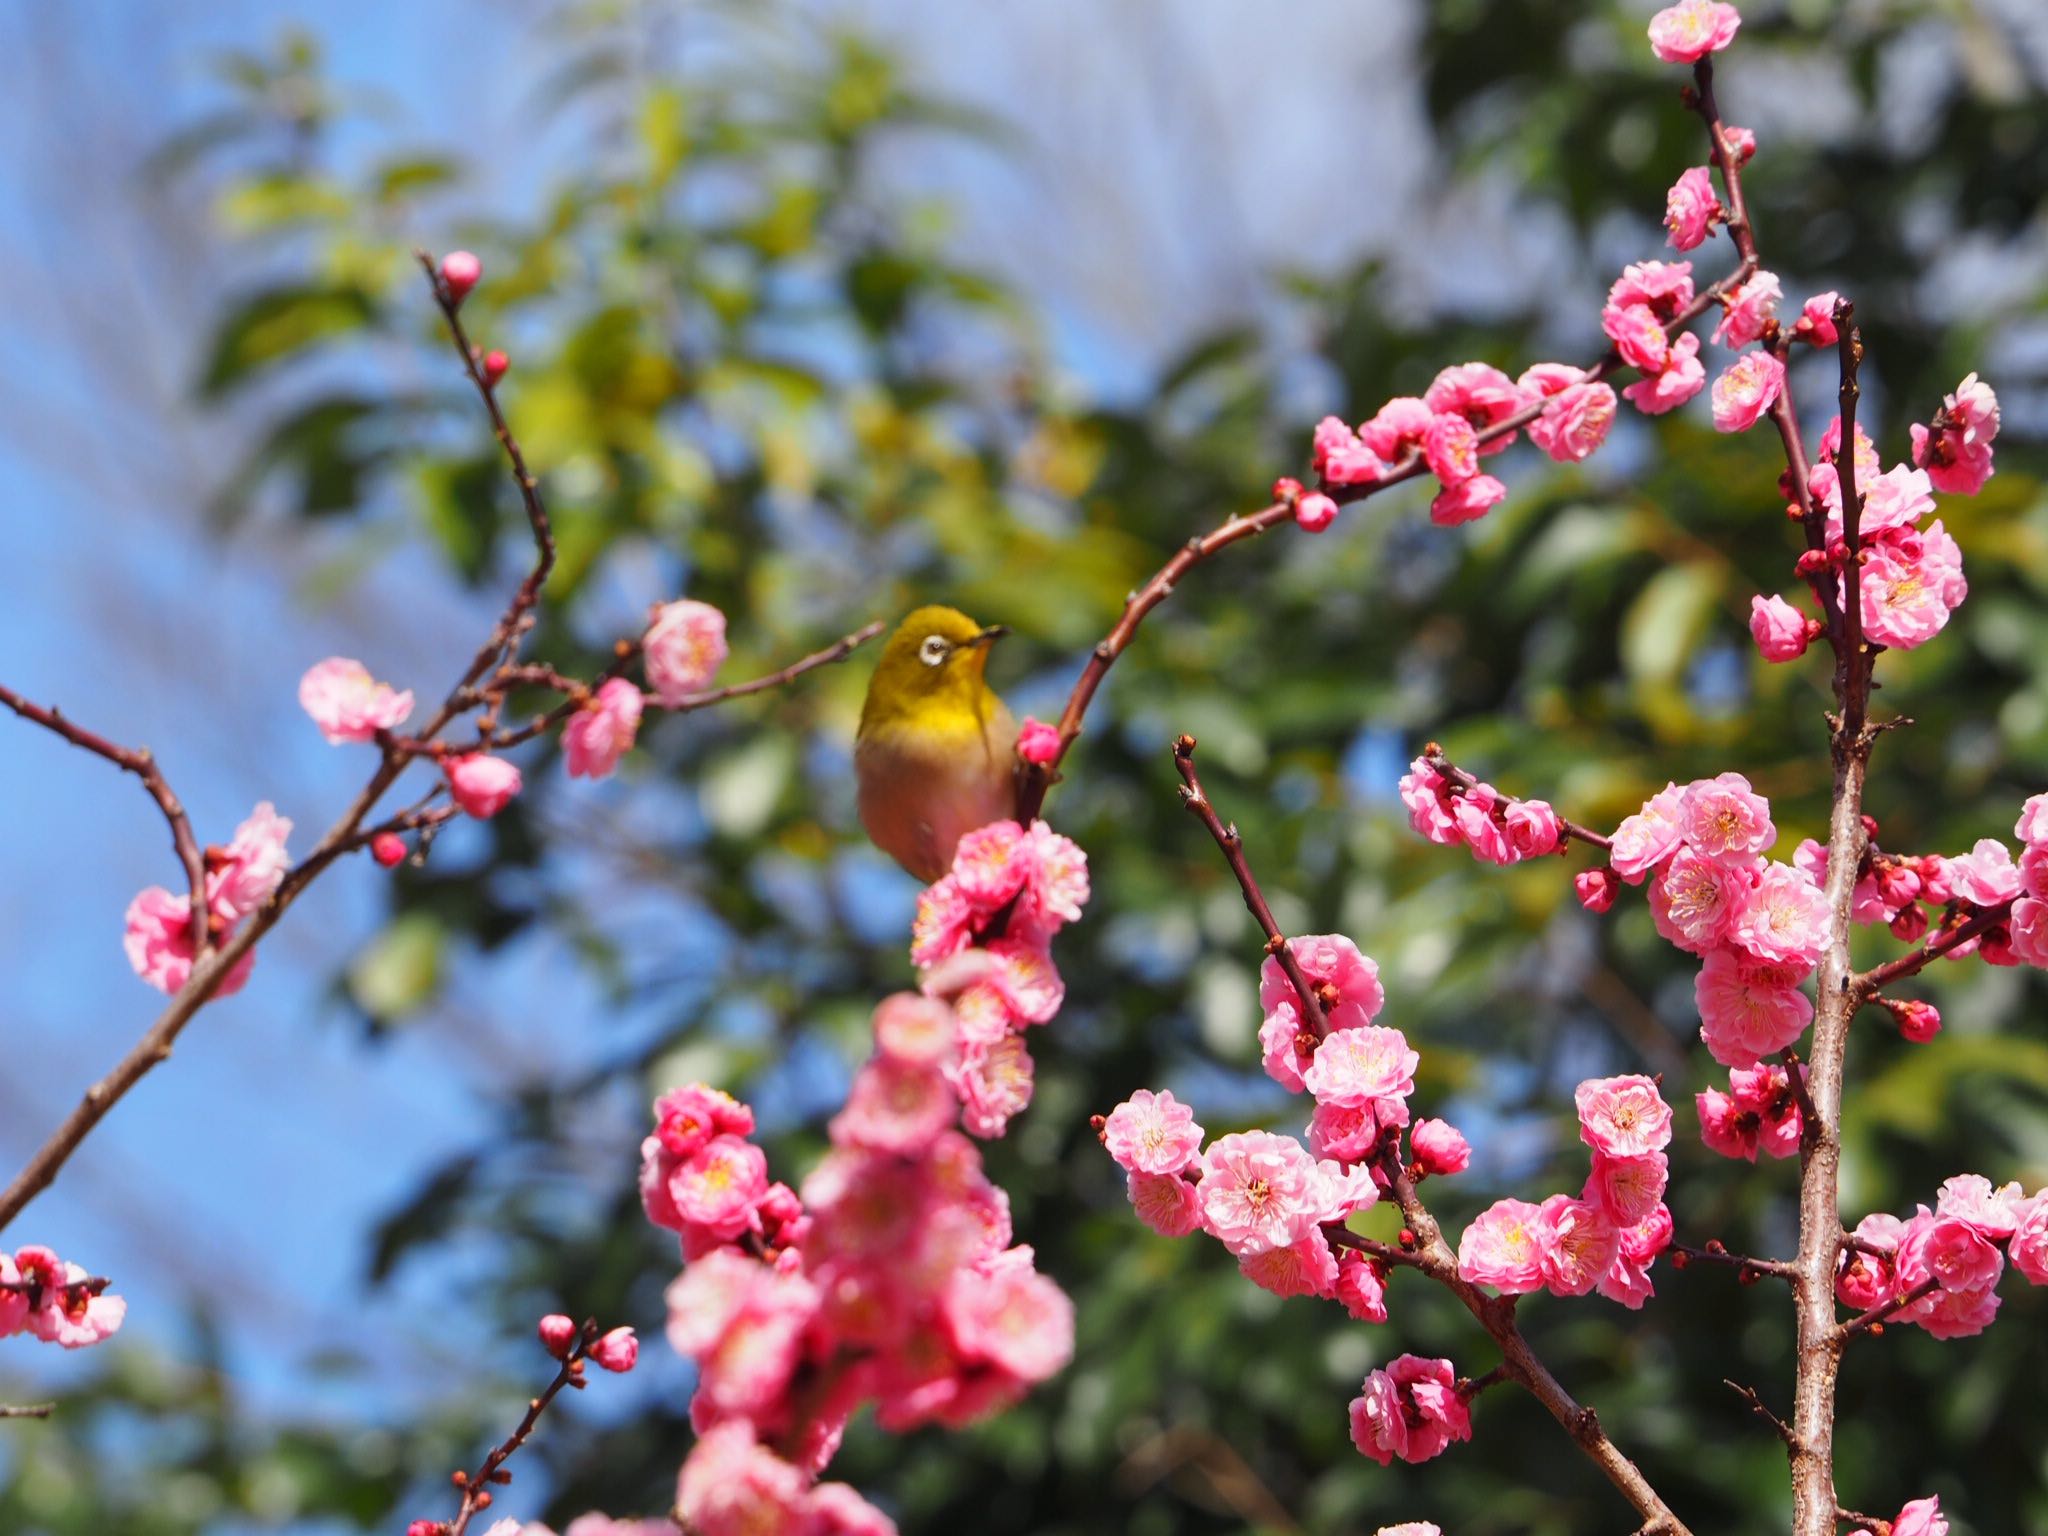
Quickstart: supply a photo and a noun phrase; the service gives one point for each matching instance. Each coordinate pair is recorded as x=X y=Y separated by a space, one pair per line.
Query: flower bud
x=1918 y=1021
x=1596 y=888
x=388 y=849
x=1038 y=742
x=558 y=1333
x=617 y=1350
x=427 y=1528
x=460 y=271
x=1315 y=512
x=495 y=364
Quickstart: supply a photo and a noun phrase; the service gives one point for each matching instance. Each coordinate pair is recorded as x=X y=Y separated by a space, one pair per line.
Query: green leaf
x=268 y=327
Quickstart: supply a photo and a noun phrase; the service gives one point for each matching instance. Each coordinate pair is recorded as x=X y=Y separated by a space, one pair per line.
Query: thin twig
x=1191 y=796
x=1884 y=1311
x=27 y=1410
x=1758 y=1407
x=1434 y=756
x=1714 y=1253
x=1914 y=961
x=476 y=1486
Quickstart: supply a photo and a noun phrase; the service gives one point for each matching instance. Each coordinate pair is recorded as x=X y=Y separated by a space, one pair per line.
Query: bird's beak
x=993 y=633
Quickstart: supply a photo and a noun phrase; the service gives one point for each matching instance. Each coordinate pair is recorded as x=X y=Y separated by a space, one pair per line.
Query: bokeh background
x=819 y=310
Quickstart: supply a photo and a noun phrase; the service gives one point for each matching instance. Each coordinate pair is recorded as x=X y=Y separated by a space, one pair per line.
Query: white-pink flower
x=1348 y=982
x=1748 y=310
x=1259 y=1191
x=1783 y=918
x=1575 y=422
x=1586 y=1244
x=1506 y=1246
x=1691 y=209
x=1903 y=599
x=1152 y=1133
x=683 y=649
x=1646 y=839
x=1723 y=819
x=1694 y=900
x=1986 y=875
x=158 y=941
x=1922 y=1517
x=1358 y=1068
x=1165 y=1202
x=1465 y=501
x=1748 y=1011
x=602 y=732
x=481 y=785
x=1680 y=376
x=1955 y=449
x=1340 y=457
x=1687 y=32
x=1778 y=628
x=348 y=704
x=1623 y=1116
x=251 y=867
x=1748 y=388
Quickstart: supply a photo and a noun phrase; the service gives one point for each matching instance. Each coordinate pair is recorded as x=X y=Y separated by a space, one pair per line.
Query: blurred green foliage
x=747 y=371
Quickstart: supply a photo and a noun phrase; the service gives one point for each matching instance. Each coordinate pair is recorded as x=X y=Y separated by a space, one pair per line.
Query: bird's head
x=934 y=660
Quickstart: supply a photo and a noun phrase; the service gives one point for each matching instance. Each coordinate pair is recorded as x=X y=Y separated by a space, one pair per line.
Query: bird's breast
x=925 y=784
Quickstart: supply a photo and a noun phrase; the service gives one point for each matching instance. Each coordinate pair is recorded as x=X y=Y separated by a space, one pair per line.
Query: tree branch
x=1434 y=756
x=476 y=1486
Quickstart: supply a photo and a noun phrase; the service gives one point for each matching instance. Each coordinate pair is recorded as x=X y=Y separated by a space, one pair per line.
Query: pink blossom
x=1533 y=828
x=1627 y=1188
x=1691 y=210
x=1638 y=335
x=1010 y=1316
x=1694 y=901
x=1586 y=1245
x=159 y=943
x=2028 y=928
x=1356 y=1068
x=1954 y=1314
x=1350 y=1133
x=718 y=1186
x=481 y=785
x=1410 y=1410
x=1313 y=511
x=1681 y=376
x=1778 y=628
x=2028 y=1248
x=1507 y=1246
x=1725 y=820
x=1741 y=143
x=683 y=648
x=558 y=1334
x=835 y=1509
x=994 y=1082
x=916 y=1030
x=1866 y=1277
x=1995 y=1212
x=1955 y=449
x=348 y=704
x=1397 y=428
x=1165 y=1202
x=1664 y=287
x=1361 y=1287
x=1647 y=838
x=1543 y=381
x=1690 y=30
x=1986 y=875
x=1922 y=1517
x=602 y=732
x=1746 y=390
x=731 y=1486
x=1152 y=1133
x=1903 y=604
x=1340 y=458
x=68 y=1312
x=460 y=271
x=1429 y=798
x=1748 y=310
x=1816 y=322
x=1595 y=888
x=251 y=867
x=1451 y=448
x=1478 y=811
x=1759 y=1112
x=1481 y=394
x=1287 y=1046
x=617 y=1350
x=1574 y=424
x=1038 y=742
x=1623 y=1116
x=1942 y=560
x=686 y=1118
x=1783 y=918
x=1305 y=1267
x=1951 y=1252
x=1748 y=1011
x=1259 y=1191
x=1438 y=1147
x=1465 y=501
x=1347 y=982
x=1898 y=498
x=2032 y=827
x=895 y=1107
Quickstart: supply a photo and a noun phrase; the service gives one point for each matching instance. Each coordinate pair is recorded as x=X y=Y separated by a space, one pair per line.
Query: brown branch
x=1232 y=845
x=1872 y=981
x=141 y=762
x=476 y=1486
x=1684 y=1254
x=1434 y=756
x=27 y=1410
x=1870 y=1523
x=1758 y=1407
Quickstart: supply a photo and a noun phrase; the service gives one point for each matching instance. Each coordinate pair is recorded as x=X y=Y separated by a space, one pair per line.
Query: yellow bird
x=936 y=755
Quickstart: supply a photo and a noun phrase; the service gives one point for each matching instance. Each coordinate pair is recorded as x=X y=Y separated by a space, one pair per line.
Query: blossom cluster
x=1497 y=829
x=1946 y=1263
x=1608 y=1236
x=161 y=940
x=891 y=1277
x=55 y=1301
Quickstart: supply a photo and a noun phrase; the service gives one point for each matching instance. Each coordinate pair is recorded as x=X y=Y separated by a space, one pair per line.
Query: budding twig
x=1434 y=756
x=476 y=1486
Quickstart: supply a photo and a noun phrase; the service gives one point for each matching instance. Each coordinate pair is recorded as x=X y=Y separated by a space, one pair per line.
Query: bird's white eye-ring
x=934 y=650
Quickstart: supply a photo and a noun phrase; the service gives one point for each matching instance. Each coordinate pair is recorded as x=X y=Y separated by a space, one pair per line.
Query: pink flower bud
x=1038 y=742
x=482 y=785
x=1596 y=888
x=617 y=1350
x=388 y=849
x=461 y=272
x=1919 y=1021
x=1285 y=490
x=558 y=1333
x=1778 y=628
x=1439 y=1147
x=495 y=364
x=427 y=1528
x=1315 y=512
x=1910 y=923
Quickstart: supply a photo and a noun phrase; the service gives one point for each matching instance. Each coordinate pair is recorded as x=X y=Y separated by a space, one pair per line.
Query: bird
x=935 y=756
